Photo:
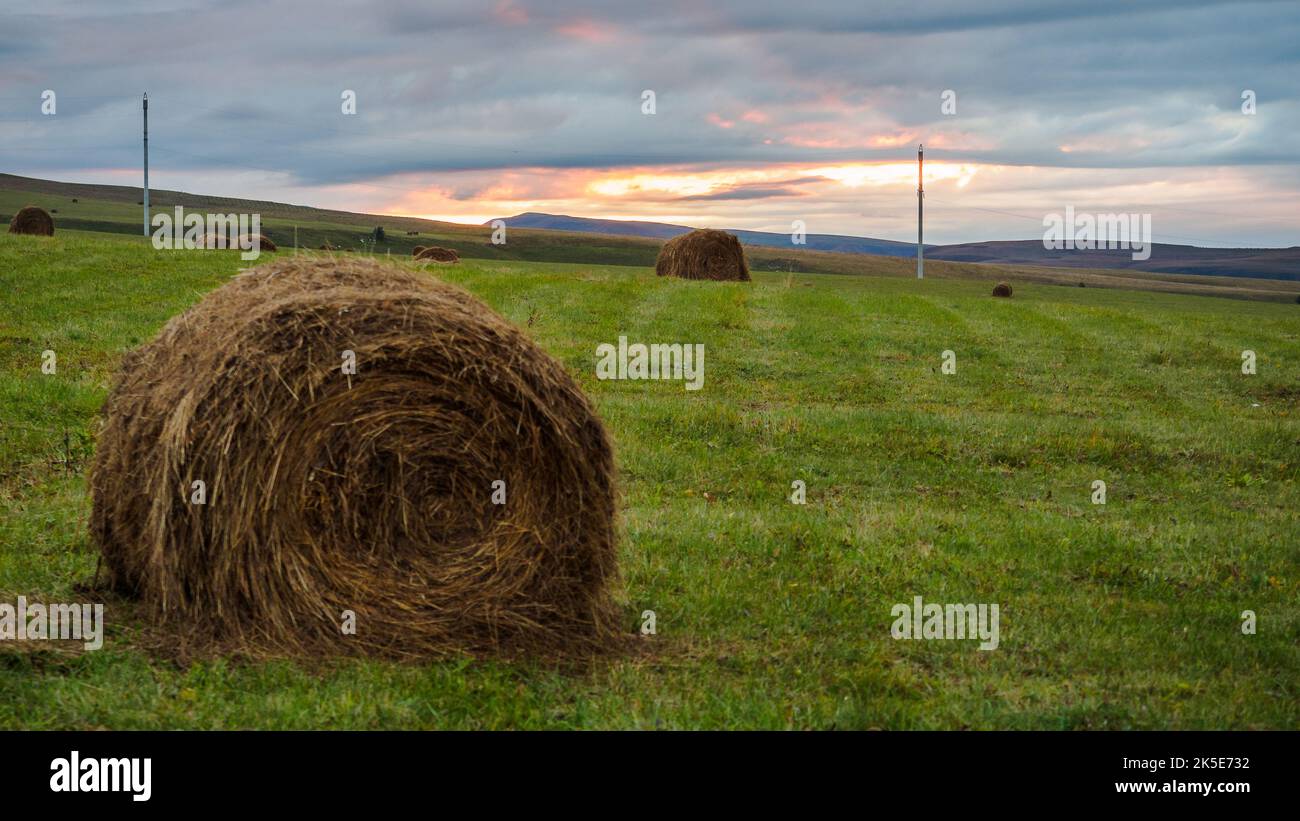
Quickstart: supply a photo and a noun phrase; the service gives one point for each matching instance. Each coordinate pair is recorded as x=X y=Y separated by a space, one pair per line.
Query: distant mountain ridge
x=1260 y=263
x=839 y=243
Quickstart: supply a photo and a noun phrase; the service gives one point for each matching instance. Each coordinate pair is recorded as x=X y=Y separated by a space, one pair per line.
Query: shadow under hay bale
x=1002 y=289
x=32 y=220
x=367 y=491
x=415 y=252
x=703 y=254
x=435 y=253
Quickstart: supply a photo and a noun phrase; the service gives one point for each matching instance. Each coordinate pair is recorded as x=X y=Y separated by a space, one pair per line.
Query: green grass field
x=972 y=487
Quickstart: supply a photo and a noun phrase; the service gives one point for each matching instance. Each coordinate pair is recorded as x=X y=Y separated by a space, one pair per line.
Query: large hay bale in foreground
x=369 y=492
x=32 y=220
x=415 y=252
x=703 y=254
x=1002 y=289
x=435 y=253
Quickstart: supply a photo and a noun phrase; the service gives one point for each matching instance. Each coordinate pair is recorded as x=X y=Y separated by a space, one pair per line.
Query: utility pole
x=146 y=164
x=920 y=210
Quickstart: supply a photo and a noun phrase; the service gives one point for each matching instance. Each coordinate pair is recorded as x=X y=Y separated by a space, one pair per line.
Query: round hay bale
x=1002 y=289
x=703 y=254
x=435 y=253
x=327 y=247
x=215 y=241
x=415 y=252
x=264 y=242
x=34 y=220
x=370 y=491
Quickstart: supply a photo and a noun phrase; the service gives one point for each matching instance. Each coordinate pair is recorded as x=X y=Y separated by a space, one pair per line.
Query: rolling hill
x=114 y=209
x=1260 y=263
x=837 y=243
x=1264 y=263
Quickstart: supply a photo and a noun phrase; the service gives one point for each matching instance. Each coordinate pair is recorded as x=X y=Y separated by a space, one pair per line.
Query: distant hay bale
x=415 y=252
x=217 y=241
x=1002 y=289
x=264 y=242
x=435 y=253
x=703 y=254
x=33 y=220
x=370 y=490
x=214 y=241
x=326 y=246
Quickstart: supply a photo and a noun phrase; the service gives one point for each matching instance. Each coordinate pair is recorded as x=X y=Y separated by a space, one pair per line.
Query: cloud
x=743 y=193
x=1112 y=96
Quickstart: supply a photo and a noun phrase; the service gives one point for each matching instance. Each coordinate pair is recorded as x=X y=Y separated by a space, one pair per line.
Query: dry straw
x=368 y=492
x=32 y=220
x=703 y=254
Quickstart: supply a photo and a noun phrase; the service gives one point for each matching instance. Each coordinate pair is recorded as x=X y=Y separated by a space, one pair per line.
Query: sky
x=764 y=112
